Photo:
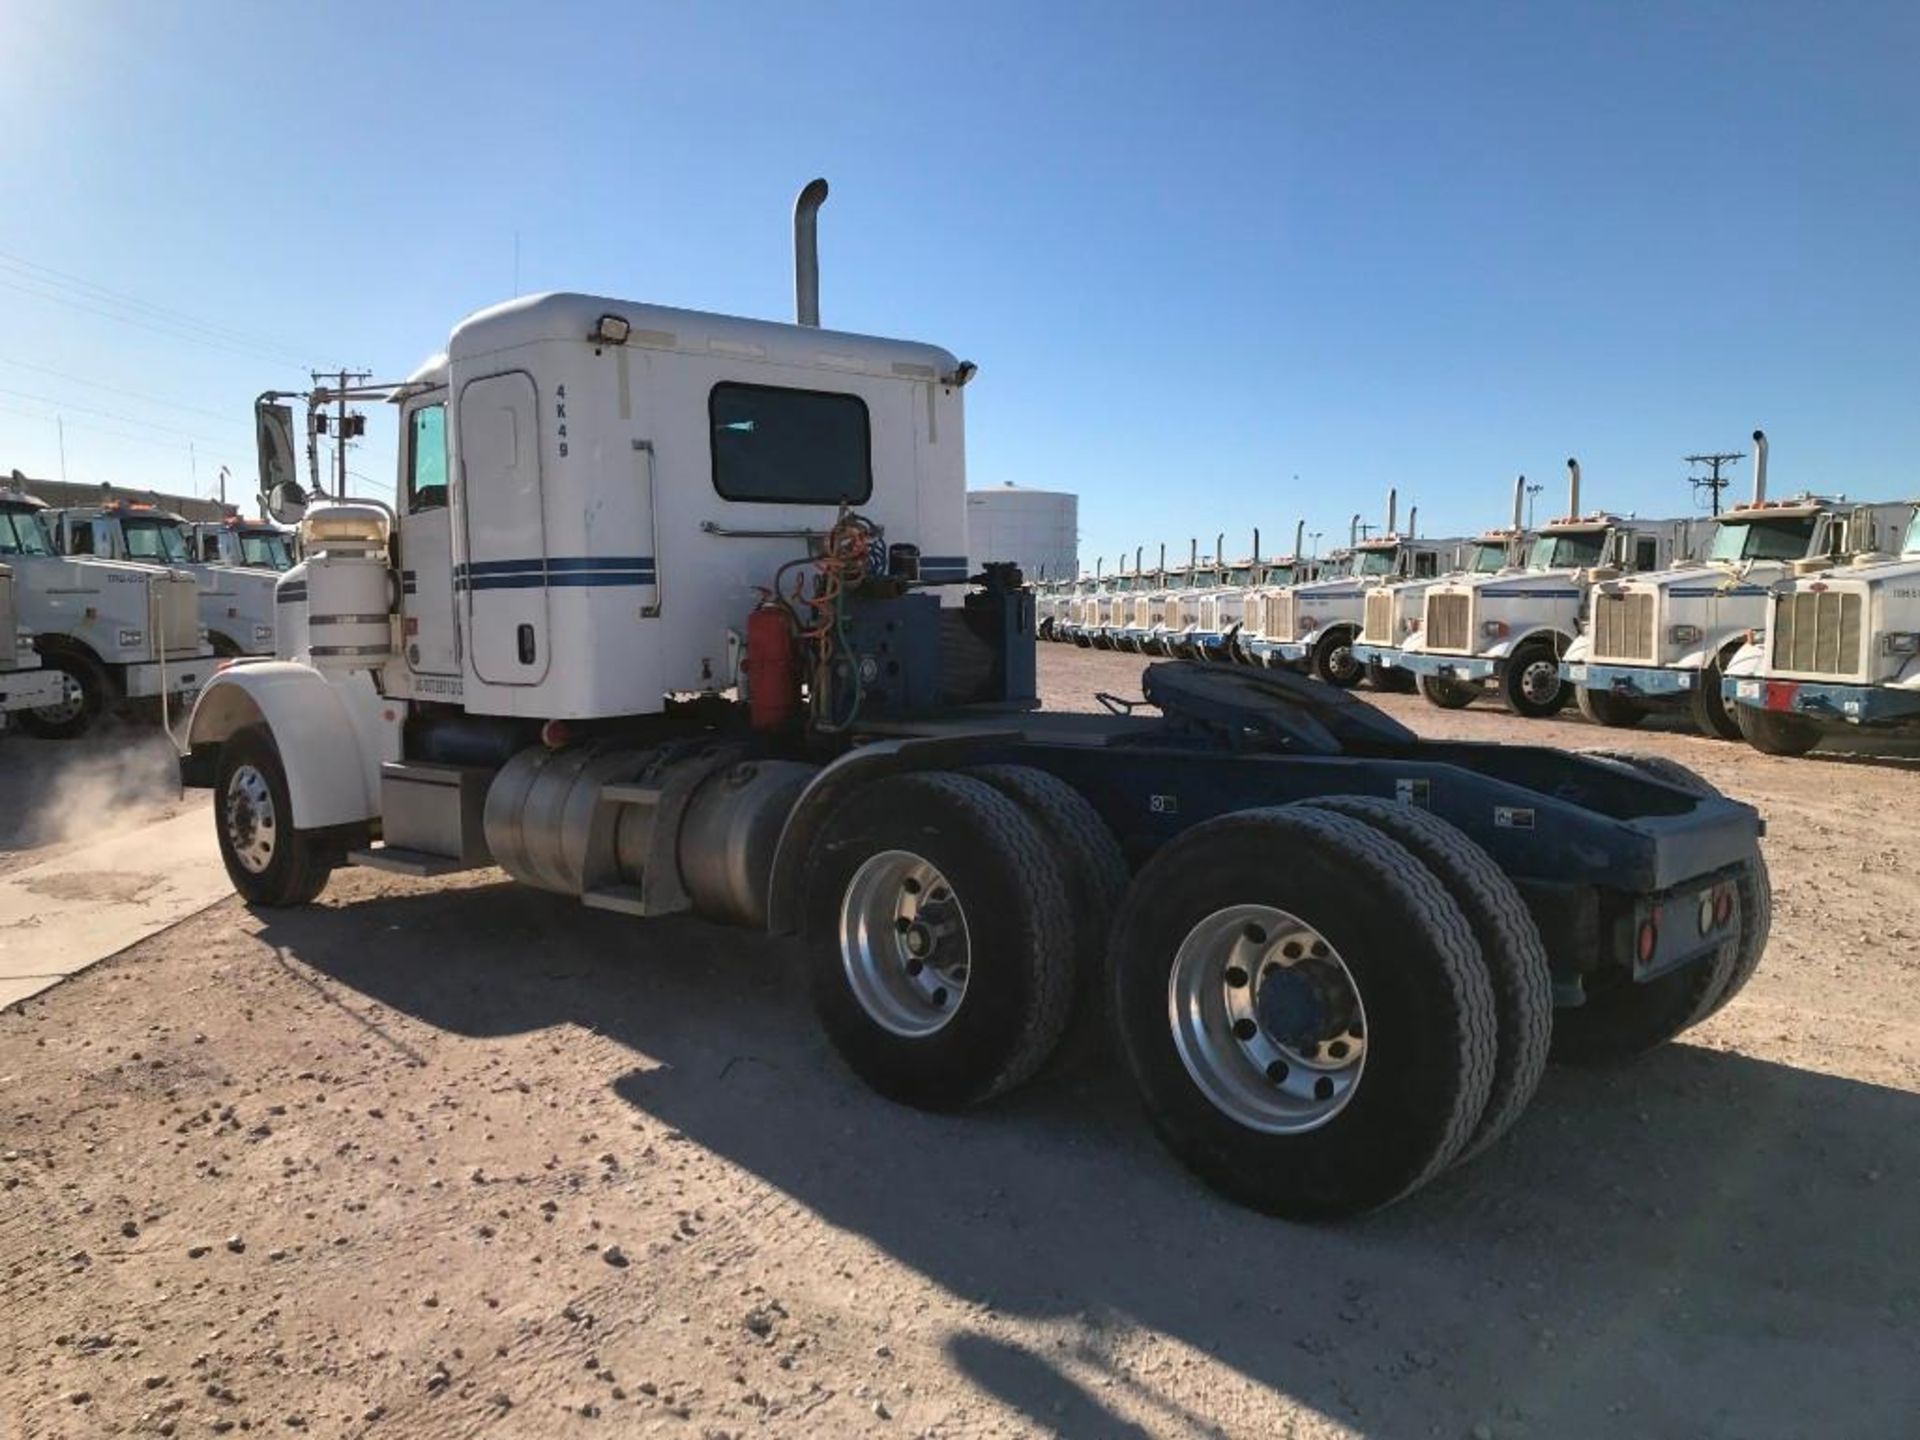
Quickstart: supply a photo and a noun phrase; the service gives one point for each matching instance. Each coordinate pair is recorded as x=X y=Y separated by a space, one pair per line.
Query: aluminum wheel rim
x=73 y=699
x=250 y=819
x=1340 y=662
x=1267 y=1019
x=904 y=943
x=1540 y=681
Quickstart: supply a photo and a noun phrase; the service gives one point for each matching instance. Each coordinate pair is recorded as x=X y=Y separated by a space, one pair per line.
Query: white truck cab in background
x=24 y=685
x=236 y=597
x=1665 y=640
x=1509 y=630
x=1839 y=651
x=114 y=631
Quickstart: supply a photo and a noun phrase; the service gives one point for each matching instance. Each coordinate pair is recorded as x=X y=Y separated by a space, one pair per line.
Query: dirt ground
x=459 y=1158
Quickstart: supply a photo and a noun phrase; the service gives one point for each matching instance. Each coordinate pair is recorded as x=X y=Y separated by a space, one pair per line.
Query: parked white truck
x=24 y=684
x=118 y=633
x=1394 y=612
x=1663 y=641
x=1508 y=631
x=1840 y=651
x=236 y=597
x=1314 y=626
x=690 y=632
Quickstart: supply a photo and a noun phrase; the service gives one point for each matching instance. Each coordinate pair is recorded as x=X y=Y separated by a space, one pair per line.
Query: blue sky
x=1197 y=250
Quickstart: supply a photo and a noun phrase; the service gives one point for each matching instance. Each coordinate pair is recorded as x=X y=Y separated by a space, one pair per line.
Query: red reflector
x=1722 y=906
x=555 y=733
x=1649 y=939
x=1780 y=694
x=413 y=625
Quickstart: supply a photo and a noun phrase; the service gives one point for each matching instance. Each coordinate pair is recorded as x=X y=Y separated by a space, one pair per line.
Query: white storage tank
x=1038 y=530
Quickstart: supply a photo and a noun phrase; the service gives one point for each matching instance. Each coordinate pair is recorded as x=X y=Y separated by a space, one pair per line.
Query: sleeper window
x=790 y=447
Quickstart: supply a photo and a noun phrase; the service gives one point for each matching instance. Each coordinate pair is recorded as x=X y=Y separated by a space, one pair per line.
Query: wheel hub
x=904 y=943
x=252 y=825
x=1267 y=1019
x=1541 y=681
x=72 y=701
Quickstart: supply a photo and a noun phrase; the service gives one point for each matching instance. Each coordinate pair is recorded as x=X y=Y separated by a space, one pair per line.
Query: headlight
x=1683 y=634
x=1901 y=642
x=130 y=638
x=1493 y=629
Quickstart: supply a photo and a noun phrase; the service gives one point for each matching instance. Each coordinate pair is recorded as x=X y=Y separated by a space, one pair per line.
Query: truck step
x=399 y=860
x=625 y=899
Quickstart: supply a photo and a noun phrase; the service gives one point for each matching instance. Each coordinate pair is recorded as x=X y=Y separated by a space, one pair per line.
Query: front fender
x=1579 y=650
x=1747 y=661
x=331 y=734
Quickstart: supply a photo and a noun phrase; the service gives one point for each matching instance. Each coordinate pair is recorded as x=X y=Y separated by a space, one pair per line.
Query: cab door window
x=427 y=459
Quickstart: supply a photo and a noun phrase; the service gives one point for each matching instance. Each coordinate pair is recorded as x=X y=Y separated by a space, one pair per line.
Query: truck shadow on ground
x=1699 y=1243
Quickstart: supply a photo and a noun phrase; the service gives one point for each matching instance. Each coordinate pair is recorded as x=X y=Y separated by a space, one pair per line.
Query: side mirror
x=286 y=503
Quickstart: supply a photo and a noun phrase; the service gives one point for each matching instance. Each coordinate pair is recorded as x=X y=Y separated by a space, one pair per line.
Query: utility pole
x=1713 y=482
x=1532 y=490
x=60 y=425
x=341 y=382
x=1314 y=535
x=1366 y=530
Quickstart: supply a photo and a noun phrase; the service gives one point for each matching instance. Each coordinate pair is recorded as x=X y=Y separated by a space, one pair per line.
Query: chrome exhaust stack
x=1519 y=500
x=806 y=252
x=1393 y=508
x=1759 y=466
x=1573 y=488
x=1353 y=531
x=1413 y=522
x=1300 y=540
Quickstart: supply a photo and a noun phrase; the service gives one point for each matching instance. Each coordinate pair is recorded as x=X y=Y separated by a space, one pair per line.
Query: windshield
x=1567 y=552
x=1279 y=574
x=1911 y=545
x=156 y=539
x=1762 y=539
x=265 y=549
x=1374 y=562
x=1240 y=575
x=21 y=533
x=1488 y=557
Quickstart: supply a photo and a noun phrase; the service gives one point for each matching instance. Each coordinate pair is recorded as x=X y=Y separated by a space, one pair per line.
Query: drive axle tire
x=270 y=863
x=1095 y=868
x=1510 y=945
x=1333 y=661
x=1387 y=680
x=1603 y=707
x=83 y=696
x=1708 y=706
x=1531 y=683
x=1776 y=732
x=1446 y=693
x=1304 y=1009
x=939 y=938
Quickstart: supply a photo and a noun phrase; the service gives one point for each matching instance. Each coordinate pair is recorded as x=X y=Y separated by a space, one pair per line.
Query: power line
x=1713 y=482
x=179 y=446
x=63 y=405
x=33 y=271
x=115 y=389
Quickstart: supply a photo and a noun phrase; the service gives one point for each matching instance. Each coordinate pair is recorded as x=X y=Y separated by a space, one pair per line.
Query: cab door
x=429 y=626
x=504 y=575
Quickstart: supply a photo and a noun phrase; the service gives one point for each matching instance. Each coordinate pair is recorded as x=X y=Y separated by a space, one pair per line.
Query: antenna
x=1713 y=482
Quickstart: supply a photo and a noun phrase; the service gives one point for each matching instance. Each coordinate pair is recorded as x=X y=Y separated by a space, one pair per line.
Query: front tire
x=270 y=863
x=1305 y=1011
x=1445 y=692
x=1708 y=706
x=1333 y=660
x=83 y=697
x=940 y=939
x=1776 y=732
x=1603 y=707
x=1531 y=683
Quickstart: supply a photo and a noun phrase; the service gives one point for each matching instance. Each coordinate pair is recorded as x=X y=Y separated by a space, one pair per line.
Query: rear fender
x=331 y=734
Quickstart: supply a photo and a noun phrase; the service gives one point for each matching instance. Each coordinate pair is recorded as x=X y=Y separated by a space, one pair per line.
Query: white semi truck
x=24 y=684
x=247 y=544
x=119 y=634
x=674 y=617
x=1839 y=653
x=1314 y=626
x=1394 y=612
x=1508 y=631
x=236 y=596
x=1663 y=641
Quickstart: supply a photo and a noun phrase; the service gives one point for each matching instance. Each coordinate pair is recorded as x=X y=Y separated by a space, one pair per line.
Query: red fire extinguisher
x=773 y=667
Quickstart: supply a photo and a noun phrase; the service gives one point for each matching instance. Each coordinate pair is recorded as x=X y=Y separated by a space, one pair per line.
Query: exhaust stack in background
x=806 y=252
x=1220 y=550
x=1519 y=500
x=1759 y=466
x=1256 y=544
x=1193 y=554
x=1300 y=540
x=1573 y=488
x=1413 y=523
x=1393 y=507
x=1353 y=531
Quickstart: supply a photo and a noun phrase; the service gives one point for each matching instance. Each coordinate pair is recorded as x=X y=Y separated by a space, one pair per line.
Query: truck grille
x=1210 y=615
x=1277 y=622
x=1817 y=632
x=1380 y=612
x=1623 y=626
x=1449 y=621
x=1177 y=613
